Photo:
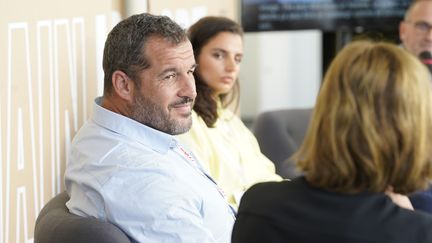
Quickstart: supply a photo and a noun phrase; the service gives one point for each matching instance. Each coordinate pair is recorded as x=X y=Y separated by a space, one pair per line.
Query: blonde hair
x=372 y=124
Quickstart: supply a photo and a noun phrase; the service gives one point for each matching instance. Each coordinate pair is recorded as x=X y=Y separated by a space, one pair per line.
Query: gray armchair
x=279 y=134
x=56 y=225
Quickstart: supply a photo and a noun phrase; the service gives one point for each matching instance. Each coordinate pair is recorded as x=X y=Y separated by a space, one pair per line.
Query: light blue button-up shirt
x=143 y=181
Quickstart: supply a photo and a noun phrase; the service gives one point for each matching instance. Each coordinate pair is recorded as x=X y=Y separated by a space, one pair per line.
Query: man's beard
x=149 y=113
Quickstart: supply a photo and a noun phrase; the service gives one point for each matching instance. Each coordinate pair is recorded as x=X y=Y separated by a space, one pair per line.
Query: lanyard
x=197 y=166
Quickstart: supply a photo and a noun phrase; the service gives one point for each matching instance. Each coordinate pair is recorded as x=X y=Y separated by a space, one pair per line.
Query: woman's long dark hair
x=200 y=34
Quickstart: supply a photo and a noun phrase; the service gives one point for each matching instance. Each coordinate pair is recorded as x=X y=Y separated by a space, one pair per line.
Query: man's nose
x=187 y=88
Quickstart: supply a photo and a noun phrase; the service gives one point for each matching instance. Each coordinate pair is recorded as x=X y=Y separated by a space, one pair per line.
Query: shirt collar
x=132 y=129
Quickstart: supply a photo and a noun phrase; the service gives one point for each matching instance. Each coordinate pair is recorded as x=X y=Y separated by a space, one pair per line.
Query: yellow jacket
x=230 y=153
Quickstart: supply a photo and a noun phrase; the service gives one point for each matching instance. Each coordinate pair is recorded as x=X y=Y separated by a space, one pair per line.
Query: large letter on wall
x=65 y=94
x=21 y=202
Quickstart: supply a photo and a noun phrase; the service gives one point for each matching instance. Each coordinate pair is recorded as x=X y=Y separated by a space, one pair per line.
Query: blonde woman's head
x=372 y=123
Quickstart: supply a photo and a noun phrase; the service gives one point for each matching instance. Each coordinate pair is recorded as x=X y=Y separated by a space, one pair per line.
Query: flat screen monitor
x=326 y=15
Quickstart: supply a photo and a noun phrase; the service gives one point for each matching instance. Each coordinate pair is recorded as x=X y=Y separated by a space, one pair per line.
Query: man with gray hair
x=124 y=165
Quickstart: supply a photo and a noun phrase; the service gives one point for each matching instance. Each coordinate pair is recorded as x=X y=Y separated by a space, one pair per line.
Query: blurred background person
x=415 y=30
x=220 y=140
x=416 y=36
x=368 y=144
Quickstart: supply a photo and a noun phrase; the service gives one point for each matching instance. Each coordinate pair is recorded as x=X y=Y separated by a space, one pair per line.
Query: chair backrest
x=55 y=224
x=279 y=134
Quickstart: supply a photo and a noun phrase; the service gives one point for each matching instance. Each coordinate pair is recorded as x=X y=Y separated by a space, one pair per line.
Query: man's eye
x=422 y=26
x=170 y=77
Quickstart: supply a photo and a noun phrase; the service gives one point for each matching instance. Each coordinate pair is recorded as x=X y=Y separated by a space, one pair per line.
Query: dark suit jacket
x=294 y=211
x=422 y=200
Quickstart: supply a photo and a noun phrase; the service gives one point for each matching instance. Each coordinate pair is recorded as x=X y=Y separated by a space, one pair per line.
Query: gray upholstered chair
x=56 y=225
x=279 y=134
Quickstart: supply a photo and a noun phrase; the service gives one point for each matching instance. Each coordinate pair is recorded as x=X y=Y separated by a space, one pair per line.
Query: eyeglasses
x=421 y=26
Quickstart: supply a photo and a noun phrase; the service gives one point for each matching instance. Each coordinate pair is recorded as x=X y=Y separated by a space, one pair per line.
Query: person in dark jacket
x=368 y=145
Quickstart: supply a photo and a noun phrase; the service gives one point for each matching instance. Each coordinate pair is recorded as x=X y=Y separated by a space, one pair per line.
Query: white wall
x=132 y=7
x=280 y=70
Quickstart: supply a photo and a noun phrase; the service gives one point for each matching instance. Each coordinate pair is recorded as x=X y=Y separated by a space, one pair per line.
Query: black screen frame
x=328 y=16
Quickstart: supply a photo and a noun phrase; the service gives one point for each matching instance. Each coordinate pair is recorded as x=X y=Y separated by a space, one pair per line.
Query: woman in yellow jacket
x=221 y=141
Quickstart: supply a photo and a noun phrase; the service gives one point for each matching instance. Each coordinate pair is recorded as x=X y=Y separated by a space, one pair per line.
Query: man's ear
x=123 y=85
x=402 y=30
